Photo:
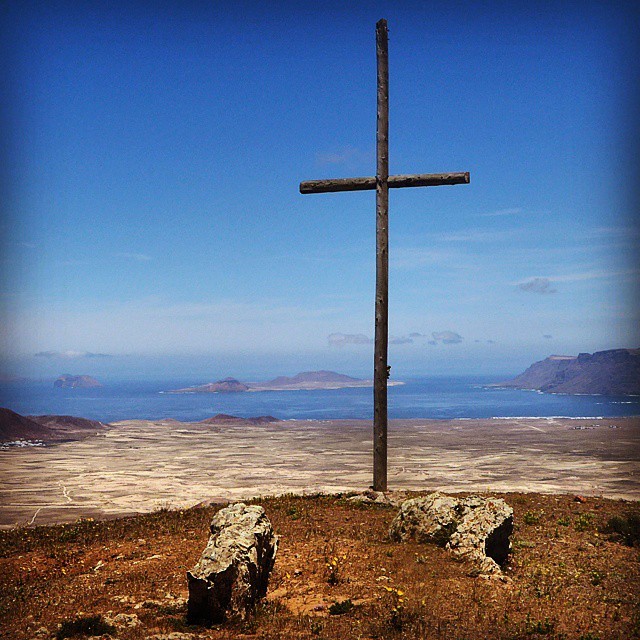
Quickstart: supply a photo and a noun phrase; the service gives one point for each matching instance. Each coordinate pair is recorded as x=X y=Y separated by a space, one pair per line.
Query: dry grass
x=337 y=576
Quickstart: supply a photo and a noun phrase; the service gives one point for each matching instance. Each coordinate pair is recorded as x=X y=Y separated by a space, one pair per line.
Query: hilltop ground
x=566 y=579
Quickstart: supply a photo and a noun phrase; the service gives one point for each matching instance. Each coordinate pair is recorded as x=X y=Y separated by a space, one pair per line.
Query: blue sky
x=152 y=211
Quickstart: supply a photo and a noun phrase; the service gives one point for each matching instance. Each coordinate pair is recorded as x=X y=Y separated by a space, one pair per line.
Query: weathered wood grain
x=368 y=183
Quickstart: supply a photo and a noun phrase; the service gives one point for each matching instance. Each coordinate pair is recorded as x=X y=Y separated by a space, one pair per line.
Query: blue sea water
x=434 y=397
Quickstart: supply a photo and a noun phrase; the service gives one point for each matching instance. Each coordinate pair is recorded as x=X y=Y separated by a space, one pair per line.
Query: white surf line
x=65 y=493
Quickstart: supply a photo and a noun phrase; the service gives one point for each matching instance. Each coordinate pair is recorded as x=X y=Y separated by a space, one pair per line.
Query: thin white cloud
x=502 y=212
x=138 y=257
x=594 y=275
x=542 y=284
x=475 y=235
x=446 y=337
x=341 y=339
x=416 y=257
x=617 y=232
x=70 y=355
x=345 y=155
x=155 y=325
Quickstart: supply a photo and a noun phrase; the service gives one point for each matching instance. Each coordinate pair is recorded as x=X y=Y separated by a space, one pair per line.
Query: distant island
x=307 y=380
x=615 y=372
x=67 y=381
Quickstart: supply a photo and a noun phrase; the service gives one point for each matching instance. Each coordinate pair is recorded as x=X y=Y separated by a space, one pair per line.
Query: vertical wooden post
x=382 y=264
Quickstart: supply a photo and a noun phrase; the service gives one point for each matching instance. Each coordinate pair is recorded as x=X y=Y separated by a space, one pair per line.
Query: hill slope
x=14 y=427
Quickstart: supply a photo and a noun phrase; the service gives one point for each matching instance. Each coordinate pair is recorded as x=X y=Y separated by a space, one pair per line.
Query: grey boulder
x=474 y=528
x=233 y=571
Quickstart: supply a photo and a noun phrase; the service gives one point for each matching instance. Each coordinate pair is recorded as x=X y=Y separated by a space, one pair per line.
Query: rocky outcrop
x=233 y=571
x=474 y=528
x=613 y=372
x=67 y=381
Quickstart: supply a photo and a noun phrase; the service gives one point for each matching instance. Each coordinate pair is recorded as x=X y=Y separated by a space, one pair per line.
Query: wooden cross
x=381 y=183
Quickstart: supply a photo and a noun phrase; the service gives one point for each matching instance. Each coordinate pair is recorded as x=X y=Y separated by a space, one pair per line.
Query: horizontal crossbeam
x=395 y=182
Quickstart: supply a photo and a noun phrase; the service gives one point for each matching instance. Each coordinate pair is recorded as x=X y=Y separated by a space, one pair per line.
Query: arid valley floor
x=140 y=466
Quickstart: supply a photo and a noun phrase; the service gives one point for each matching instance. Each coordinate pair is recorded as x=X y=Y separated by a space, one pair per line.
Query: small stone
x=122 y=620
x=579 y=499
x=386 y=499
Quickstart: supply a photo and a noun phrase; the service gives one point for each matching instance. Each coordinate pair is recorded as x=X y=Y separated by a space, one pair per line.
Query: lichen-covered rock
x=430 y=519
x=482 y=535
x=233 y=571
x=473 y=528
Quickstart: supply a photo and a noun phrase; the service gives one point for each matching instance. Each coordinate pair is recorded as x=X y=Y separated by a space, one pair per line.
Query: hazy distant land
x=67 y=381
x=140 y=465
x=615 y=373
x=309 y=380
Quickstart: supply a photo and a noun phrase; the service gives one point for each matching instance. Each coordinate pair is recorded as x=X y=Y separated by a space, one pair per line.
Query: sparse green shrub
x=333 y=571
x=539 y=627
x=625 y=529
x=531 y=518
x=84 y=626
x=584 y=522
x=316 y=628
x=596 y=578
x=564 y=522
x=338 y=608
x=524 y=544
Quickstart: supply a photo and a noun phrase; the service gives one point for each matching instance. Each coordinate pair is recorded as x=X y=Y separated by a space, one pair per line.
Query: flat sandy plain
x=138 y=466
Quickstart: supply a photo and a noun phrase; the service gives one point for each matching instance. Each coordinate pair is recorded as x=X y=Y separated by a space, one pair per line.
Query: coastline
x=138 y=466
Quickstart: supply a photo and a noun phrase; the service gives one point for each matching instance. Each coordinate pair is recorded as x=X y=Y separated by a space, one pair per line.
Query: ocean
x=426 y=397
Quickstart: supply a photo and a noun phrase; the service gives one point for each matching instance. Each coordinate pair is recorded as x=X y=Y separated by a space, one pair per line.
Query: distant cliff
x=67 y=381
x=615 y=372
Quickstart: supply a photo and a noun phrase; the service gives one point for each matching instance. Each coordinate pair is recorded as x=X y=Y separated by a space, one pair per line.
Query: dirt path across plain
x=138 y=466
